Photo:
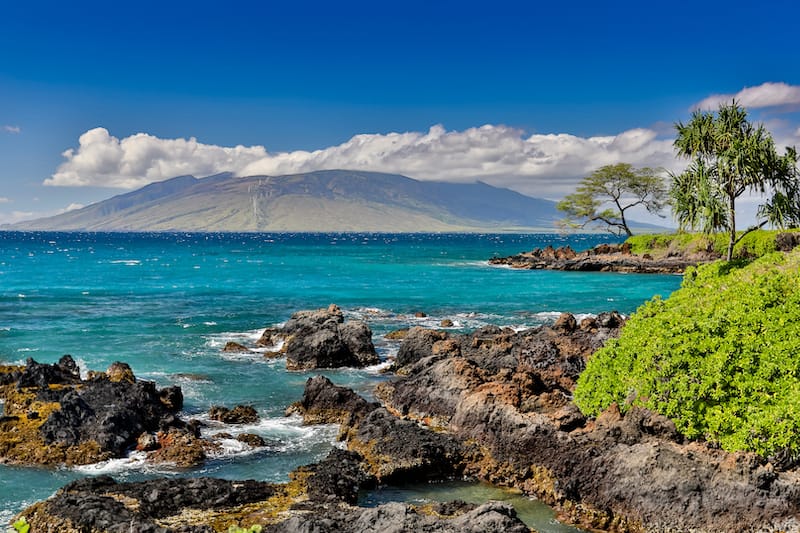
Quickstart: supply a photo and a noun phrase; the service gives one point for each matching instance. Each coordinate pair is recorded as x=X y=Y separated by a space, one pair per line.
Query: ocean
x=166 y=303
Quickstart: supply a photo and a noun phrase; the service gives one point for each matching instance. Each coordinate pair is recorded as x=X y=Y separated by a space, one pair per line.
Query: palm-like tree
x=731 y=156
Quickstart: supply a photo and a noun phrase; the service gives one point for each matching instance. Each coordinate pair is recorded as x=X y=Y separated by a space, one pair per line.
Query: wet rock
x=120 y=372
x=326 y=403
x=396 y=335
x=417 y=344
x=420 y=314
x=235 y=347
x=102 y=504
x=322 y=339
x=397 y=450
x=507 y=397
x=147 y=442
x=65 y=372
x=251 y=439
x=357 y=337
x=60 y=419
x=180 y=448
x=446 y=323
x=241 y=414
x=493 y=517
x=337 y=478
x=602 y=258
x=566 y=322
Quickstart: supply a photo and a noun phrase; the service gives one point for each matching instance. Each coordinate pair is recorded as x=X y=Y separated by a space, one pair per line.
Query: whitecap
x=126 y=262
x=135 y=460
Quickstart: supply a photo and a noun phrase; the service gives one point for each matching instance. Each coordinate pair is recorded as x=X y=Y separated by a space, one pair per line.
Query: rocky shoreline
x=492 y=405
x=602 y=258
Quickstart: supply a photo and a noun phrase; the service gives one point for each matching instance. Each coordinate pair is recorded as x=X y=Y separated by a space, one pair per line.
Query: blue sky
x=522 y=94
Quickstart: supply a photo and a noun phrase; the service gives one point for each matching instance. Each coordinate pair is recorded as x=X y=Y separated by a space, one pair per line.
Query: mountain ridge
x=328 y=200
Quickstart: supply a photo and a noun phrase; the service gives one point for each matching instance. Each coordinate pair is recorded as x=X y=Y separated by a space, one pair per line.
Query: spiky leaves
x=729 y=157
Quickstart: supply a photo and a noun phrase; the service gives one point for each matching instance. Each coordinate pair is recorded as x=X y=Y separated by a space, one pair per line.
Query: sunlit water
x=167 y=303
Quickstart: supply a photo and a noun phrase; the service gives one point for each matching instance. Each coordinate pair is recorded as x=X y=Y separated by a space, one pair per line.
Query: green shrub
x=753 y=245
x=720 y=357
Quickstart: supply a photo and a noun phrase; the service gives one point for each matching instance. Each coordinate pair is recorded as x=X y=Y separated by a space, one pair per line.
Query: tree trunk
x=731 y=228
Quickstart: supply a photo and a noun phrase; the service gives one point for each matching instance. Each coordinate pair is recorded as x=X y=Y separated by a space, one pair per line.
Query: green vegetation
x=21 y=525
x=252 y=529
x=730 y=157
x=751 y=244
x=617 y=187
x=720 y=357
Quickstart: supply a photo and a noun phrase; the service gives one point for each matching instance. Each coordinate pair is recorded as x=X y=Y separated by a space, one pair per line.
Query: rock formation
x=52 y=416
x=602 y=258
x=322 y=339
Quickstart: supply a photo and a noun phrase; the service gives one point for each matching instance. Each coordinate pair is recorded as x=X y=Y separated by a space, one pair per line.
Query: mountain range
x=329 y=201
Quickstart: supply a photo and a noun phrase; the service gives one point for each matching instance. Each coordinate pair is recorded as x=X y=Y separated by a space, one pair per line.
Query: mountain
x=330 y=200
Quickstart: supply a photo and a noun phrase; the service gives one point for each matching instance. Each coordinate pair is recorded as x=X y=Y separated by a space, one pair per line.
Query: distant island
x=322 y=201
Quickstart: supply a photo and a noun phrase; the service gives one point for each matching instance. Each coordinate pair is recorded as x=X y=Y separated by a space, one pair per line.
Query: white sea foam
x=283 y=434
x=127 y=262
x=134 y=461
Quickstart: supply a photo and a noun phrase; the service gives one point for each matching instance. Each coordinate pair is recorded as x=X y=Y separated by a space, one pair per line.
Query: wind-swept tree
x=606 y=194
x=731 y=157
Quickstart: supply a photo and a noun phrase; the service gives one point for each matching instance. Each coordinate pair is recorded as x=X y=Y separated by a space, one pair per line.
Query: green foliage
x=720 y=357
x=751 y=245
x=252 y=529
x=729 y=157
x=21 y=525
x=607 y=193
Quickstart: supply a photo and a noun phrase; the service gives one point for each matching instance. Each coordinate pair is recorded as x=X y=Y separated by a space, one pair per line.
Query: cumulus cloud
x=767 y=94
x=540 y=164
x=11 y=129
x=103 y=160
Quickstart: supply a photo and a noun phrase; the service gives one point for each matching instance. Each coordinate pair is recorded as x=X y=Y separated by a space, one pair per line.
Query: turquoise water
x=167 y=303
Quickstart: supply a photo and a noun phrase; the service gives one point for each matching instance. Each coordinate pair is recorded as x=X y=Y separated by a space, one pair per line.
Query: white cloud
x=767 y=94
x=4 y=200
x=72 y=207
x=541 y=164
x=18 y=216
x=11 y=129
x=105 y=161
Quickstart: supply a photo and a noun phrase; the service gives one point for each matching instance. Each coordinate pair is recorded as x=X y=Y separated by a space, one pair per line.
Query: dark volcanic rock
x=417 y=343
x=326 y=403
x=102 y=504
x=491 y=517
x=54 y=417
x=509 y=395
x=241 y=414
x=113 y=414
x=41 y=375
x=322 y=339
x=337 y=478
x=602 y=258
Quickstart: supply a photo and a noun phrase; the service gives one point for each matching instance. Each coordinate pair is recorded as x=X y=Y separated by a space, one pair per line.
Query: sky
x=97 y=98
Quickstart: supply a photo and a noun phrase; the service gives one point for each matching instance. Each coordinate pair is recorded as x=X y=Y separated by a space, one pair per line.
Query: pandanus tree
x=729 y=157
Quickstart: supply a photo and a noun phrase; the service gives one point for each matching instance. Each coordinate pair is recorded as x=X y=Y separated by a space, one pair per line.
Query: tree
x=617 y=187
x=730 y=157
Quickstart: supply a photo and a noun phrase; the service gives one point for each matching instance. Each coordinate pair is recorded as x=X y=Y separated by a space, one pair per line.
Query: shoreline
x=601 y=258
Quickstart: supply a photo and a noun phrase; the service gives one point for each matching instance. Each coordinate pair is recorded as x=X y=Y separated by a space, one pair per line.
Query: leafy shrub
x=720 y=357
x=753 y=245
